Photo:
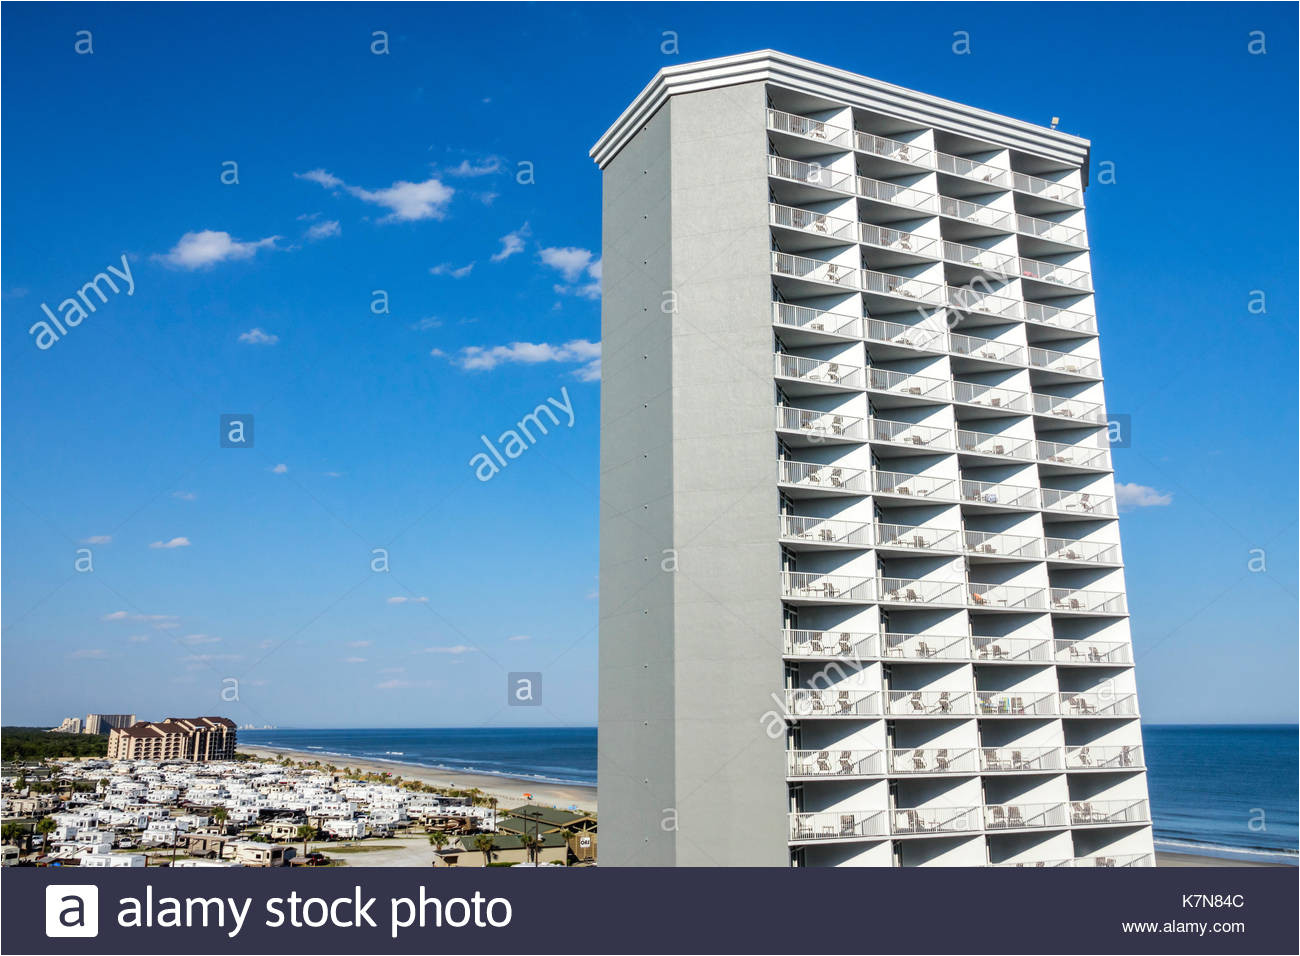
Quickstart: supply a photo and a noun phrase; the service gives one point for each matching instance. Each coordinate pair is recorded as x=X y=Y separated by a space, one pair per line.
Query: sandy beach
x=1165 y=858
x=508 y=790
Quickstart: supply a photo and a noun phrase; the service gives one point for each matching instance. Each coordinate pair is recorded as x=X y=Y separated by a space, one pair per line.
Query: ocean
x=1208 y=784
x=1226 y=790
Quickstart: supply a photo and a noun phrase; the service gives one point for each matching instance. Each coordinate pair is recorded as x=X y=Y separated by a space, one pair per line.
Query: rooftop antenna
x=1055 y=120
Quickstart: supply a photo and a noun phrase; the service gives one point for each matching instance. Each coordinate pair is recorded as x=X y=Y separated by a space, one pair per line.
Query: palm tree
x=485 y=845
x=437 y=840
x=221 y=815
x=10 y=833
x=304 y=834
x=45 y=826
x=533 y=844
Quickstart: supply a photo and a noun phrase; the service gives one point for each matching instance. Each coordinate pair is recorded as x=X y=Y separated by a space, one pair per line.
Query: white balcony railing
x=914 y=537
x=1060 y=318
x=1089 y=412
x=1002 y=545
x=913 y=486
x=1110 y=812
x=832 y=587
x=835 y=763
x=818 y=372
x=976 y=257
x=925 y=647
x=1083 y=503
x=1006 y=597
x=893 y=149
x=920 y=591
x=821 y=477
x=903 y=383
x=816 y=270
x=831 y=644
x=1001 y=446
x=838 y=825
x=908 y=433
x=1014 y=703
x=1089 y=651
x=920 y=337
x=1097 y=704
x=1117 y=860
x=972 y=169
x=1014 y=816
x=1088 y=601
x=999 y=493
x=1012 y=649
x=1053 y=361
x=1124 y=757
x=1016 y=759
x=976 y=347
x=896 y=241
x=1051 y=272
x=974 y=212
x=886 y=283
x=809 y=128
x=832 y=703
x=817 y=223
x=819 y=424
x=971 y=300
x=1052 y=231
x=908 y=196
x=936 y=820
x=928 y=703
x=826 y=531
x=990 y=396
x=811 y=174
x=1075 y=456
x=814 y=320
x=1046 y=189
x=933 y=760
x=1076 y=549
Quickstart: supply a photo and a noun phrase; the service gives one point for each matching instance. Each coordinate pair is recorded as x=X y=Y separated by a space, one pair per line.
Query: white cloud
x=97 y=539
x=453 y=649
x=408 y=600
x=359 y=643
x=589 y=372
x=570 y=260
x=399 y=684
x=173 y=543
x=519 y=637
x=160 y=621
x=406 y=202
x=512 y=242
x=323 y=230
x=1133 y=495
x=258 y=337
x=139 y=638
x=193 y=639
x=354 y=660
x=280 y=469
x=199 y=250
x=184 y=495
x=485 y=168
x=89 y=653
x=447 y=269
x=426 y=324
x=476 y=358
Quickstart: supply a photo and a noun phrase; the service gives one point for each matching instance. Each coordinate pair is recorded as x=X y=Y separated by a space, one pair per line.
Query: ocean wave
x=1276 y=854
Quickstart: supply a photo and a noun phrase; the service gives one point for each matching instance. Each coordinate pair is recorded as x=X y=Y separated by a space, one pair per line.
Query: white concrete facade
x=852 y=386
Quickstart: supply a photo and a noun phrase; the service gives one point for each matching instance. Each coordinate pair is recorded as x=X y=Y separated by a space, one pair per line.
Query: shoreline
x=509 y=791
x=1209 y=858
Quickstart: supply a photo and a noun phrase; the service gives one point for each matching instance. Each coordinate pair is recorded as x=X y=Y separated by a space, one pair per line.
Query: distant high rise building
x=103 y=723
x=176 y=738
x=862 y=597
x=70 y=725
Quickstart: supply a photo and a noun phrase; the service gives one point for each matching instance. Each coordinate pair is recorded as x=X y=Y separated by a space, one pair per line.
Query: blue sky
x=400 y=172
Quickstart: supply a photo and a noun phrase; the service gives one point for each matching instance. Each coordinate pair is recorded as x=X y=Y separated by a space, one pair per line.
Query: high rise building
x=176 y=738
x=862 y=599
x=69 y=725
x=103 y=723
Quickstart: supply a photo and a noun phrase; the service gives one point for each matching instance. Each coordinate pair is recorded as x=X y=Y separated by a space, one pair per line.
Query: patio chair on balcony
x=997 y=817
x=945 y=704
x=819 y=225
x=1125 y=756
x=1014 y=819
x=1085 y=757
x=834 y=273
x=1081 y=813
x=1017 y=760
x=1105 y=861
x=978 y=598
x=823 y=761
x=917 y=705
x=846 y=643
x=836 y=478
x=993 y=758
x=846 y=761
x=844 y=702
x=1094 y=656
x=918 y=760
x=941 y=759
x=848 y=825
x=923 y=649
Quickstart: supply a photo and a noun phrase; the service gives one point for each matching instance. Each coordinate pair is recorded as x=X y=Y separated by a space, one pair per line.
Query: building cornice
x=805 y=76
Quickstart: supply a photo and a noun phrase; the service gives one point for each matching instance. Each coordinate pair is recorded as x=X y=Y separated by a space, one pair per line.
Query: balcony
x=995 y=544
x=1005 y=597
x=1021 y=497
x=886 y=283
x=995 y=219
x=835 y=763
x=902 y=537
x=821 y=325
x=1082 y=504
x=812 y=129
x=990 y=396
x=925 y=647
x=928 y=820
x=1012 y=650
x=816 y=270
x=893 y=240
x=928 y=760
x=1103 y=758
x=838 y=825
x=988 y=303
x=1020 y=759
x=912 y=387
x=928 y=703
x=975 y=347
x=1121 y=859
x=995 y=446
x=1065 y=363
x=1019 y=816
x=1060 y=318
x=1073 y=456
x=801 y=703
x=917 y=591
x=926 y=437
x=1093 y=652
x=1046 y=189
x=895 y=194
x=1108 y=812
x=1090 y=413
x=1088 y=602
x=813 y=375
x=831 y=644
x=918 y=338
x=813 y=479
x=821 y=177
x=1097 y=704
x=1057 y=275
x=1015 y=703
x=810 y=587
x=825 y=532
x=896 y=484
x=807 y=426
x=893 y=149
x=972 y=169
x=1075 y=550
x=817 y=224
x=1051 y=231
x=977 y=257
